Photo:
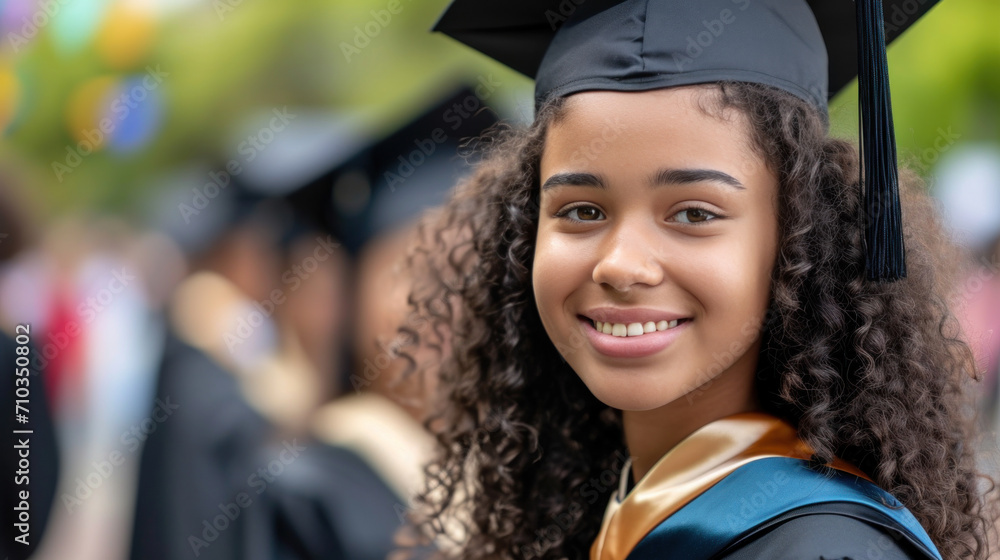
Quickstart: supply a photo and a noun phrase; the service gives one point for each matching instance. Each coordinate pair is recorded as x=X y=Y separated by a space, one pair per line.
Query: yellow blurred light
x=126 y=35
x=10 y=95
x=88 y=104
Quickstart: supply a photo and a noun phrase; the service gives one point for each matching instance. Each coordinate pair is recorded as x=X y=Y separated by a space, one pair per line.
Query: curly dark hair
x=874 y=373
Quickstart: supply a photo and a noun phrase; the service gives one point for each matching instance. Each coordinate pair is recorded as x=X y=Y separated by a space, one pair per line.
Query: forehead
x=683 y=123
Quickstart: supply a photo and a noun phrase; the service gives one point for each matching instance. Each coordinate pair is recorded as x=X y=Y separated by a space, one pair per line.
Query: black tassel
x=885 y=255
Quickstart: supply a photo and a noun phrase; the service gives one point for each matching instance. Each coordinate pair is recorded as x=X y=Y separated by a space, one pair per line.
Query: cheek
x=744 y=285
x=732 y=281
x=551 y=279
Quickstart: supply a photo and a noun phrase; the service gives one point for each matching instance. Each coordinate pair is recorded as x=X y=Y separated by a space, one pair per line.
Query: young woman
x=658 y=337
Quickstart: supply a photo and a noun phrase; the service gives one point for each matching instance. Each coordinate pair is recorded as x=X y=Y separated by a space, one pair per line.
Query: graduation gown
x=202 y=455
x=346 y=497
x=328 y=505
x=227 y=476
x=195 y=460
x=741 y=488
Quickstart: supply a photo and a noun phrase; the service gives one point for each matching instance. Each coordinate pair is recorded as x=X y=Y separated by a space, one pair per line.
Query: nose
x=628 y=257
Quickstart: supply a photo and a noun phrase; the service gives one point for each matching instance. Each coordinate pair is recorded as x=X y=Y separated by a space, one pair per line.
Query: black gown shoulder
x=838 y=531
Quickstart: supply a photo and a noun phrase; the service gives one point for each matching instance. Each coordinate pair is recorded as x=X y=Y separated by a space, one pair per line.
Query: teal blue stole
x=762 y=490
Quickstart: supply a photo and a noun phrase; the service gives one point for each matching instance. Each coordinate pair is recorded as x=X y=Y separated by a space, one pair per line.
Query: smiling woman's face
x=653 y=210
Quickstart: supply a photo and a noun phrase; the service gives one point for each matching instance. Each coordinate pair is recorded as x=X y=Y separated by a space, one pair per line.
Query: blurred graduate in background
x=291 y=435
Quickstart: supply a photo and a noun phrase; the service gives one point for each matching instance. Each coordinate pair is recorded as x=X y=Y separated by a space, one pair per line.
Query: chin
x=630 y=392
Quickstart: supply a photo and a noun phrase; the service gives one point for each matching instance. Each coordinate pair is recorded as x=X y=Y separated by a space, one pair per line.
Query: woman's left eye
x=697 y=215
x=584 y=213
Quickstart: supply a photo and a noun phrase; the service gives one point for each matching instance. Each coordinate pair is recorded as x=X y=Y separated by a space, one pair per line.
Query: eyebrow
x=660 y=178
x=687 y=176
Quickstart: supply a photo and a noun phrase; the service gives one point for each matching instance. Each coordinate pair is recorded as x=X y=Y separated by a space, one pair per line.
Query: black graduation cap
x=326 y=173
x=199 y=206
x=811 y=49
x=390 y=180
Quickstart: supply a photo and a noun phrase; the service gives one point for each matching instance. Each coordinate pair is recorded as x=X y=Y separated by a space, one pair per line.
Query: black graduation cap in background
x=197 y=207
x=350 y=185
x=810 y=49
x=387 y=182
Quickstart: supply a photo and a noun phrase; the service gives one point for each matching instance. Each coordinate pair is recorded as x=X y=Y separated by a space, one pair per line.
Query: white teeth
x=633 y=329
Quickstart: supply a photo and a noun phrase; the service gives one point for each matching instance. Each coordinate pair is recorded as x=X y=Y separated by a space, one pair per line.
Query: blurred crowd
x=224 y=381
x=227 y=381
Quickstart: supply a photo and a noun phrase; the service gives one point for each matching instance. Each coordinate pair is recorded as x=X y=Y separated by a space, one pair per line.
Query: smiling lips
x=631 y=321
x=628 y=345
x=632 y=332
x=634 y=329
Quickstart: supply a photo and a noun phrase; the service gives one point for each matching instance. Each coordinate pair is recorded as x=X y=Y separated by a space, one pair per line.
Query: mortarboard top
x=810 y=49
x=519 y=33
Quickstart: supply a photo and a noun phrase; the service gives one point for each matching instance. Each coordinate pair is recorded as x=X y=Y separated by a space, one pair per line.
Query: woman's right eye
x=584 y=213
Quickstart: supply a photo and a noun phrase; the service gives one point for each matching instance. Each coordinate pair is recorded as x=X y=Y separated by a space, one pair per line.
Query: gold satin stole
x=695 y=464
